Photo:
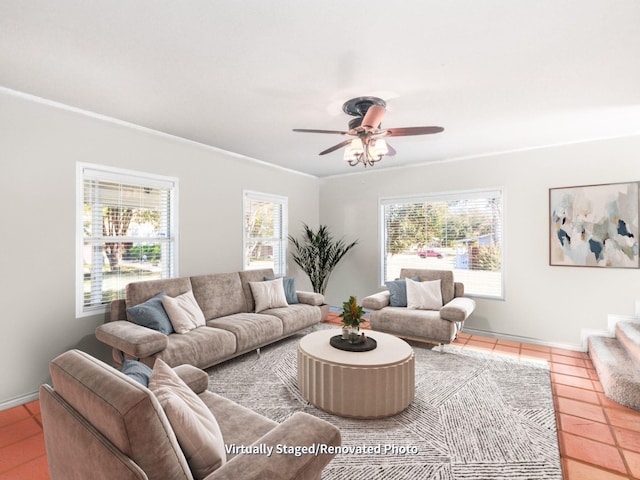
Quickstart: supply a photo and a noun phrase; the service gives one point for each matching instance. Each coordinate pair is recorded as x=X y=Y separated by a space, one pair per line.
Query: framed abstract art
x=594 y=225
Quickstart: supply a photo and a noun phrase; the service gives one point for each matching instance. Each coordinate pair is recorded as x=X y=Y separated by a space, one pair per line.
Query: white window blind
x=456 y=231
x=265 y=232
x=127 y=232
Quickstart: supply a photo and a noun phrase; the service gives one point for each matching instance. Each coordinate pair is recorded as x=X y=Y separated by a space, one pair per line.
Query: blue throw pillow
x=151 y=314
x=289 y=284
x=137 y=371
x=398 y=291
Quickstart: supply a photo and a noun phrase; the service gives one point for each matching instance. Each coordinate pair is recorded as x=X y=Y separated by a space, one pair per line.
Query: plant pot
x=354 y=335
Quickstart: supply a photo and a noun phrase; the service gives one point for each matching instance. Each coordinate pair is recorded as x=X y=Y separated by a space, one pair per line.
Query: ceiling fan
x=369 y=145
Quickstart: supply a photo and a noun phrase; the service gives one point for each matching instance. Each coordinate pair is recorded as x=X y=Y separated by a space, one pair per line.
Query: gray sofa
x=231 y=328
x=439 y=326
x=100 y=424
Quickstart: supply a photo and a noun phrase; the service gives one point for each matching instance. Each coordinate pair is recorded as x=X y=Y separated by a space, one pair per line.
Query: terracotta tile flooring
x=599 y=439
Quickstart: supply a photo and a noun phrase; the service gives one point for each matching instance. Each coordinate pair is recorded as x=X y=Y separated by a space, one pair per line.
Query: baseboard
x=612 y=319
x=519 y=339
x=16 y=402
x=585 y=333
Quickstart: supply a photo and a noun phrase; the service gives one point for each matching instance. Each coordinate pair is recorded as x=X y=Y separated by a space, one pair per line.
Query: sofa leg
x=258 y=351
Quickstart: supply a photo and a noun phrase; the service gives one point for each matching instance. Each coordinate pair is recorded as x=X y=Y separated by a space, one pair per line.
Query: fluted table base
x=374 y=384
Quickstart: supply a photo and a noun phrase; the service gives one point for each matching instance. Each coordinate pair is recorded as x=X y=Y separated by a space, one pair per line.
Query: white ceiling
x=498 y=75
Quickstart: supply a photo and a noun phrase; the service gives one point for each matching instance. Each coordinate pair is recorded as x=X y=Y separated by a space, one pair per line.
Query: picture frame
x=594 y=225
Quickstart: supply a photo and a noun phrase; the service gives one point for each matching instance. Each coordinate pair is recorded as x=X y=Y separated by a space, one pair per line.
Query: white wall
x=39 y=147
x=550 y=304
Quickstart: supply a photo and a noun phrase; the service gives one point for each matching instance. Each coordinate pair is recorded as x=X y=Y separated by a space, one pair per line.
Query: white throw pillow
x=424 y=295
x=184 y=312
x=196 y=428
x=268 y=294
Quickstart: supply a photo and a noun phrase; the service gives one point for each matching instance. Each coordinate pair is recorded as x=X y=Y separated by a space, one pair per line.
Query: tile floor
x=599 y=439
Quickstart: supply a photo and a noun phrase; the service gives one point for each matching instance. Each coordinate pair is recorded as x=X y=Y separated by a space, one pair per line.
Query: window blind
x=127 y=232
x=459 y=231
x=265 y=232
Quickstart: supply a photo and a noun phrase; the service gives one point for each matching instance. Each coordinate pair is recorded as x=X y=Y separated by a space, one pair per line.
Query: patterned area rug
x=474 y=416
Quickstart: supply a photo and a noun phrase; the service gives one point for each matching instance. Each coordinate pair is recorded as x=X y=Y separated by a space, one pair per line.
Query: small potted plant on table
x=352 y=316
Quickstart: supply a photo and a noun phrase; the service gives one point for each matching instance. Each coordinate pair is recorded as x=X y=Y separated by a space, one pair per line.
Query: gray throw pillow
x=398 y=291
x=137 y=371
x=289 y=289
x=151 y=314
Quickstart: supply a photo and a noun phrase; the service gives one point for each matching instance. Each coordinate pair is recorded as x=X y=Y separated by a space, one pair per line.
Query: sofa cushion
x=184 y=312
x=219 y=294
x=424 y=325
x=151 y=314
x=445 y=276
x=424 y=295
x=251 y=330
x=137 y=371
x=268 y=294
x=290 y=292
x=195 y=426
x=296 y=317
x=239 y=425
x=201 y=347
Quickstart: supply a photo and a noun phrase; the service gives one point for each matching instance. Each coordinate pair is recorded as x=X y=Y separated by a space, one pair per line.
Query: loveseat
x=436 y=313
x=101 y=424
x=220 y=316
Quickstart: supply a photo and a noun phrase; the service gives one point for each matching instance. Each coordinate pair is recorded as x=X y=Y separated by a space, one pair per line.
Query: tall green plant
x=317 y=253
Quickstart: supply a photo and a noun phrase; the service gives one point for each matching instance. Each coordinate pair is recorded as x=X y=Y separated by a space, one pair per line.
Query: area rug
x=474 y=416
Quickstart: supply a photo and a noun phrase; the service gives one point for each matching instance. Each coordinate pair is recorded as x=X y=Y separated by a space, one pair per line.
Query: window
x=127 y=224
x=265 y=232
x=457 y=231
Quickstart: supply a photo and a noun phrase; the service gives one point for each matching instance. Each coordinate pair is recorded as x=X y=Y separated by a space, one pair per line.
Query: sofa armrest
x=132 y=339
x=458 y=309
x=196 y=379
x=118 y=310
x=377 y=301
x=300 y=430
x=310 y=298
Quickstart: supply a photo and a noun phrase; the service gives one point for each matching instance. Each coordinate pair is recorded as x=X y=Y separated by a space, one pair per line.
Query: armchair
x=392 y=313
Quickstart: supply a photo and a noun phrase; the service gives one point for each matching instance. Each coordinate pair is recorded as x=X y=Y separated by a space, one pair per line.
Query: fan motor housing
x=358 y=106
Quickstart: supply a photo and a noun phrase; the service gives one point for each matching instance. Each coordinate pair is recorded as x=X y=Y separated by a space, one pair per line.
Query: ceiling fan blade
x=391 y=152
x=374 y=116
x=307 y=130
x=335 y=147
x=404 y=132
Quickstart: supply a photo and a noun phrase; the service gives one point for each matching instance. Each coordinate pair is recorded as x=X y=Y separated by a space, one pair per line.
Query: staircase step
x=618 y=373
x=628 y=333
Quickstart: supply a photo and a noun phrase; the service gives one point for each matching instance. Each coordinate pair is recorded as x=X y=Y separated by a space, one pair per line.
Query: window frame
x=125 y=177
x=283 y=202
x=436 y=197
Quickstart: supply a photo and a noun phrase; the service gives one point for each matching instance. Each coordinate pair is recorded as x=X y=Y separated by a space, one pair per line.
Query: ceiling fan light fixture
x=354 y=150
x=367 y=154
x=380 y=147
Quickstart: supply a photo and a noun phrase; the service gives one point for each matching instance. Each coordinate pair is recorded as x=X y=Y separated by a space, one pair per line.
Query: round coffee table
x=373 y=384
